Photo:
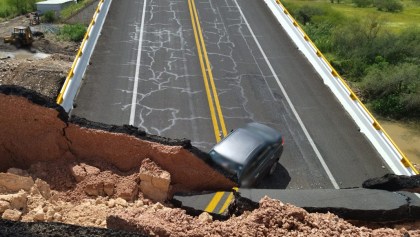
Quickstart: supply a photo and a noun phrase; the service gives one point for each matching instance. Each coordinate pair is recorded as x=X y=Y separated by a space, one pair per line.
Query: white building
x=53 y=5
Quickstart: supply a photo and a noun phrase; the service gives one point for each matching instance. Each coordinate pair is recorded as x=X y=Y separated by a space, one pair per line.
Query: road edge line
x=136 y=76
x=308 y=136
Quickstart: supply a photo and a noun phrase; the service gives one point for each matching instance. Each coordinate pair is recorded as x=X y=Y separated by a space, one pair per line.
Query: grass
x=74 y=32
x=395 y=22
x=5 y=10
x=70 y=10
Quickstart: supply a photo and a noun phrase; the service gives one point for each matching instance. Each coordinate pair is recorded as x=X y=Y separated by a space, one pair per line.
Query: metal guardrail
x=368 y=125
x=74 y=77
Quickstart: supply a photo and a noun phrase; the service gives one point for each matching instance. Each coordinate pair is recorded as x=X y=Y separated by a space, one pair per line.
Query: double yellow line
x=212 y=98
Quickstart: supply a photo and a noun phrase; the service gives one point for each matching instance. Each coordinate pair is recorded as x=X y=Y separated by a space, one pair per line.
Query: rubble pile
x=272 y=218
x=27 y=198
x=84 y=201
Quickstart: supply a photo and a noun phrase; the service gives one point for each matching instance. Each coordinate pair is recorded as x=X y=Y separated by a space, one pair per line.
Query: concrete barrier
x=368 y=125
x=74 y=78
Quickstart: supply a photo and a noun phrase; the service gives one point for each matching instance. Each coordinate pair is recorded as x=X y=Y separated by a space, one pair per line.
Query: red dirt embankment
x=34 y=129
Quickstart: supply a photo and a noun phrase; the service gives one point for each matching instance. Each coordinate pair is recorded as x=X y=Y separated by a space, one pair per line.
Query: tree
x=394 y=90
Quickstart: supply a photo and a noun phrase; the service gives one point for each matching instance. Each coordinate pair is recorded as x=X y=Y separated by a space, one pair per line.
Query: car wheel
x=273 y=168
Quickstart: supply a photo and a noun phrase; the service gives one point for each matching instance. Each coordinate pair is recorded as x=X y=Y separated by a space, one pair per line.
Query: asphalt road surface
x=259 y=76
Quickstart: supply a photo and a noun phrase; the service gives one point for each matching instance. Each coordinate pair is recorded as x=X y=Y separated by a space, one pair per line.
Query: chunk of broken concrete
x=12 y=214
x=4 y=205
x=78 y=173
x=155 y=182
x=13 y=183
x=41 y=187
x=90 y=170
x=16 y=200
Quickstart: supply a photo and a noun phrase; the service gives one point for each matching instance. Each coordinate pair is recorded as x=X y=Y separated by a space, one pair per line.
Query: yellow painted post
x=376 y=125
x=353 y=96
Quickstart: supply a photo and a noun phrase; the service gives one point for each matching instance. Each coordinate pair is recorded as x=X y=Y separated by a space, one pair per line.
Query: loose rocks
x=155 y=182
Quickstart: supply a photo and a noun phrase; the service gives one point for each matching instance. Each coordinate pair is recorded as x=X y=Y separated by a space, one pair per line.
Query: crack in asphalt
x=164 y=72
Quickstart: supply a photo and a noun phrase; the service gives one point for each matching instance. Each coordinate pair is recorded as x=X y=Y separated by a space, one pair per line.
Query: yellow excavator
x=21 y=37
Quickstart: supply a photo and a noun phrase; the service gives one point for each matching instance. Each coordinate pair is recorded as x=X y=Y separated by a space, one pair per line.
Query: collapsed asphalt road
x=152 y=45
x=38 y=130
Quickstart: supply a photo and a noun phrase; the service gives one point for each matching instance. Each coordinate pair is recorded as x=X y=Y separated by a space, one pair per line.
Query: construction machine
x=35 y=20
x=21 y=36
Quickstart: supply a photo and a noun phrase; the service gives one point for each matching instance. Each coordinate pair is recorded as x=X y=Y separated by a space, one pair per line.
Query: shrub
x=362 y=3
x=393 y=90
x=388 y=5
x=305 y=14
x=74 y=32
x=48 y=17
x=5 y=12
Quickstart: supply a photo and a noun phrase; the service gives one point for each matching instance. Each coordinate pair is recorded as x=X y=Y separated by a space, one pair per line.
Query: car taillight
x=282 y=141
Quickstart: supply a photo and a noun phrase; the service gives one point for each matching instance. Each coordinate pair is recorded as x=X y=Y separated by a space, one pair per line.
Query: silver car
x=250 y=153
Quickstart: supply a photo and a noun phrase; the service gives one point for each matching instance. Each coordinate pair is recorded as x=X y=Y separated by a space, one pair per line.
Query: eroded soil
x=68 y=202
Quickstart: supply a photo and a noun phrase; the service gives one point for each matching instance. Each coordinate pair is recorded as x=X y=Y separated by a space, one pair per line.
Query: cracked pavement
x=171 y=99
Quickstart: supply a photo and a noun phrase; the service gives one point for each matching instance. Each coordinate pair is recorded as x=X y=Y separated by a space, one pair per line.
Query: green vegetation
x=48 y=17
x=378 y=60
x=12 y=8
x=74 y=32
x=73 y=8
x=395 y=22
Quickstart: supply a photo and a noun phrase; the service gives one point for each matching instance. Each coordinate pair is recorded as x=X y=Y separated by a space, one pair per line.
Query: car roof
x=241 y=143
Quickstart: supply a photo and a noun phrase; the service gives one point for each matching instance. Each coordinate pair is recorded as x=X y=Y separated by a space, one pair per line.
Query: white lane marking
x=136 y=76
x=318 y=154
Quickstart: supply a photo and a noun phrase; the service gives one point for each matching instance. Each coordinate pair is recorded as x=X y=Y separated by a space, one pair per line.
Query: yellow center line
x=203 y=70
x=214 y=201
x=228 y=200
x=211 y=95
x=213 y=87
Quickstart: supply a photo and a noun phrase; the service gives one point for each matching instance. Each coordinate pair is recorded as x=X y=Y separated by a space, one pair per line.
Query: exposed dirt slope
x=37 y=130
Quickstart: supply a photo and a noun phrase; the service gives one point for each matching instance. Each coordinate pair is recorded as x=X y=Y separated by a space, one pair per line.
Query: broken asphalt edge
x=350 y=204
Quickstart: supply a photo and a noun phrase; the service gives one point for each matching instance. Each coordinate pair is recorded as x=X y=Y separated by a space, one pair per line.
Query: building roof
x=54 y=2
